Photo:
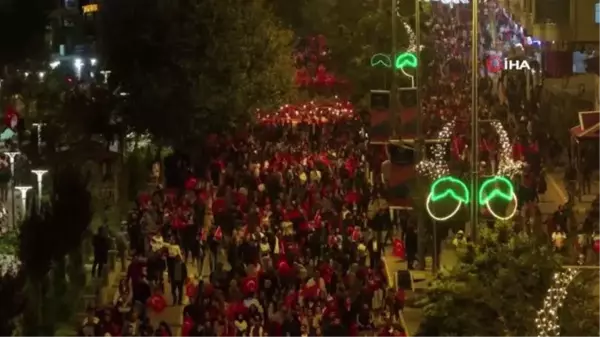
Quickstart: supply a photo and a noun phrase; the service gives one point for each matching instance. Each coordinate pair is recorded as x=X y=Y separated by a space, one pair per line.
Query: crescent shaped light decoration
x=381 y=60
x=404 y=61
x=461 y=196
x=484 y=198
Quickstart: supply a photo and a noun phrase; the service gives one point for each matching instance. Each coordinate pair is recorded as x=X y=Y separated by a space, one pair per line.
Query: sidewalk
x=556 y=194
x=412 y=316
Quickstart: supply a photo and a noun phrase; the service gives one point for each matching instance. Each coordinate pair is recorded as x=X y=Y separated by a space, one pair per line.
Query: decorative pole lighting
x=105 y=73
x=11 y=158
x=38 y=127
x=39 y=176
x=78 y=63
x=23 y=190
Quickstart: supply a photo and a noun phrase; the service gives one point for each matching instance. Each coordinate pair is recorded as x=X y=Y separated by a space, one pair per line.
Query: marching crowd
x=283 y=230
x=280 y=232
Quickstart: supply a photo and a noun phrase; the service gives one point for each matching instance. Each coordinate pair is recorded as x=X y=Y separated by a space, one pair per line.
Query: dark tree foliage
x=11 y=291
x=60 y=228
x=191 y=67
x=22 y=30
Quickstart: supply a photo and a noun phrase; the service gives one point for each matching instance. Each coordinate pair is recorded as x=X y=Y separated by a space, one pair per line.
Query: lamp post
x=474 y=210
x=39 y=175
x=105 y=73
x=38 y=127
x=23 y=190
x=394 y=82
x=78 y=64
x=11 y=158
x=421 y=230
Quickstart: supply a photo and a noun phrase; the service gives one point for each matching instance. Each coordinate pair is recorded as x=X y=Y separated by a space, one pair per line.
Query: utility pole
x=394 y=83
x=421 y=232
x=474 y=209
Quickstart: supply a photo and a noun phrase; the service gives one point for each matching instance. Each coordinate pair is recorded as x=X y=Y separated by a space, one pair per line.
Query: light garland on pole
x=437 y=167
x=547 y=320
x=412 y=37
x=508 y=166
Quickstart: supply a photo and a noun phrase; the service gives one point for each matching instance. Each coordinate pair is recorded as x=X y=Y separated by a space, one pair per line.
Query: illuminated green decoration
x=453 y=188
x=436 y=195
x=381 y=60
x=406 y=60
x=447 y=183
x=496 y=181
x=402 y=61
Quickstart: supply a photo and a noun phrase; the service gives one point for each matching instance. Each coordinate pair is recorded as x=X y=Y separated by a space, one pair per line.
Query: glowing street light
x=38 y=127
x=23 y=190
x=11 y=158
x=54 y=65
x=39 y=174
x=93 y=62
x=41 y=75
x=78 y=64
x=105 y=73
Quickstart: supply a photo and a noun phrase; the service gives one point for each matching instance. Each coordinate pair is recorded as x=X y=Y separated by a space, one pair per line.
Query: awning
x=589 y=125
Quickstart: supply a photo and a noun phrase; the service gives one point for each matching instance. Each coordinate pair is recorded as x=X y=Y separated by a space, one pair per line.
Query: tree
x=355 y=31
x=190 y=67
x=46 y=240
x=495 y=289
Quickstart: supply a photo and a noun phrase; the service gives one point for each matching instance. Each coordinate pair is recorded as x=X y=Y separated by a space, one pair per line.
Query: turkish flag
x=249 y=285
x=398 y=249
x=218 y=234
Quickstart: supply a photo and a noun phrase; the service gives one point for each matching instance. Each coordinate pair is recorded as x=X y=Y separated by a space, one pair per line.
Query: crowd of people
x=280 y=232
x=283 y=232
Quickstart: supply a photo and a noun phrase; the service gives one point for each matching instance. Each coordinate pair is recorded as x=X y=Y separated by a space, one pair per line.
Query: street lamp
x=78 y=63
x=23 y=190
x=38 y=127
x=11 y=157
x=105 y=73
x=39 y=175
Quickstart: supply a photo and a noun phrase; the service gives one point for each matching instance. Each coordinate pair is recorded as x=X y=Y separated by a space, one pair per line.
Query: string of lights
x=412 y=37
x=547 y=322
x=508 y=166
x=437 y=167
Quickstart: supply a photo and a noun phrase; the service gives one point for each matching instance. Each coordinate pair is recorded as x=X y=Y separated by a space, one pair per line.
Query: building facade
x=572 y=24
x=73 y=28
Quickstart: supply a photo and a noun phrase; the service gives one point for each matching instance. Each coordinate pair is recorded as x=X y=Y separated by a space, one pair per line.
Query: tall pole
x=474 y=120
x=11 y=157
x=394 y=83
x=421 y=233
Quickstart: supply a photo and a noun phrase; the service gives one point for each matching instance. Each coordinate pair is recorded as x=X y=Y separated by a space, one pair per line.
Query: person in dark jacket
x=100 y=243
x=178 y=276
x=374 y=248
x=410 y=242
